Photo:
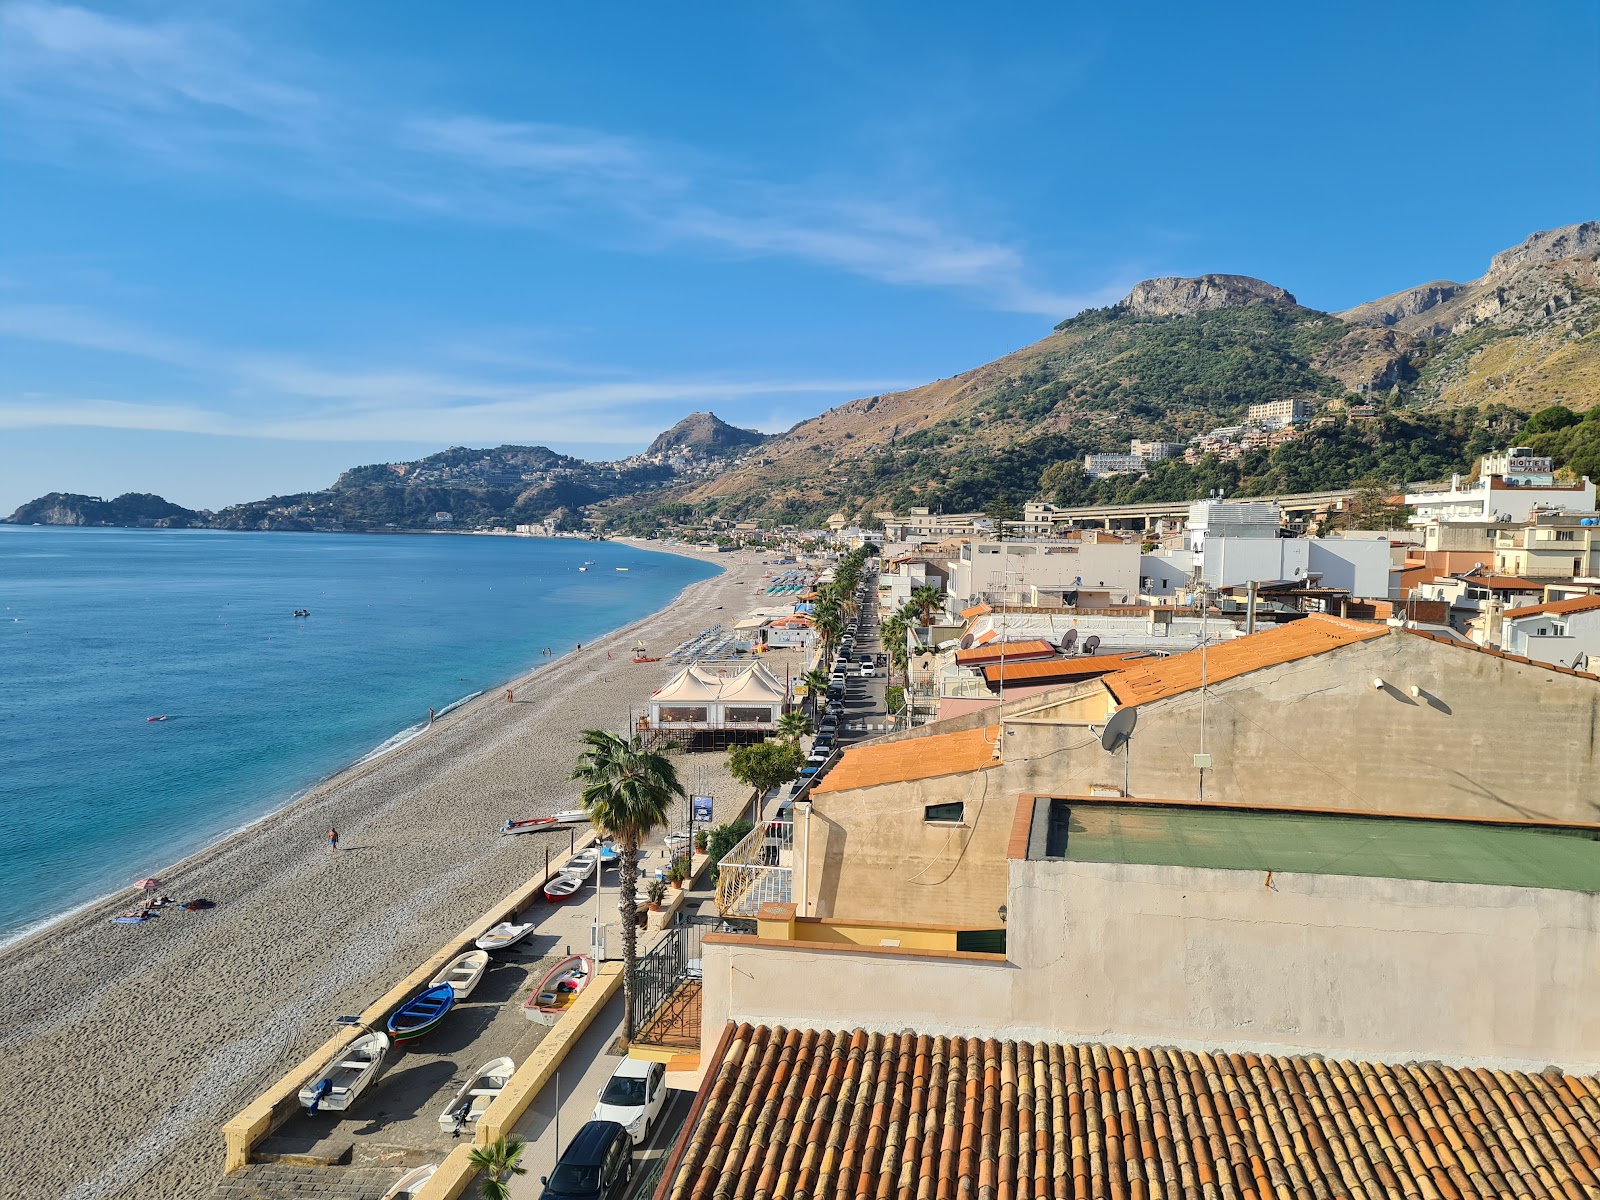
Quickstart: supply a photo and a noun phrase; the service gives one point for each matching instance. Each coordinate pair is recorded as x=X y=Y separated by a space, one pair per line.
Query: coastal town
x=994 y=828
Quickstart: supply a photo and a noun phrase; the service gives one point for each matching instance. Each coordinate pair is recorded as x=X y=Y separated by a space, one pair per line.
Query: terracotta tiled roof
x=787 y=1114
x=978 y=655
x=1162 y=677
x=913 y=758
x=1503 y=583
x=1084 y=666
x=1490 y=650
x=1556 y=608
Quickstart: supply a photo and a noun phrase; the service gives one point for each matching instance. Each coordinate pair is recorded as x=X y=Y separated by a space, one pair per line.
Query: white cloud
x=83 y=86
x=274 y=396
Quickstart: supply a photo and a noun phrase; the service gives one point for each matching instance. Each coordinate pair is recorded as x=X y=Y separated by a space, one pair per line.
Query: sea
x=101 y=629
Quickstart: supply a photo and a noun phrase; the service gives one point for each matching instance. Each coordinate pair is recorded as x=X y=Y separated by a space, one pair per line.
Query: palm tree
x=926 y=599
x=830 y=625
x=893 y=632
x=500 y=1160
x=816 y=681
x=627 y=792
x=795 y=725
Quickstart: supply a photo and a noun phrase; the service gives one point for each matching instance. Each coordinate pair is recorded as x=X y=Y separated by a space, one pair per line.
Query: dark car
x=596 y=1165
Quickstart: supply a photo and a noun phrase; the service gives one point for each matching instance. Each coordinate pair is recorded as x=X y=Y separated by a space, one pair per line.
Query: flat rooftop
x=1565 y=858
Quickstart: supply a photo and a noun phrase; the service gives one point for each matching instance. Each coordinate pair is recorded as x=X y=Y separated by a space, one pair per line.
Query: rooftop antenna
x=1118 y=735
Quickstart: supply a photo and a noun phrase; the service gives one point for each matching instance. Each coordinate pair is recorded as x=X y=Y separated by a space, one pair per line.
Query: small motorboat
x=531 y=825
x=610 y=856
x=337 y=1086
x=570 y=816
x=558 y=989
x=162 y=718
x=583 y=568
x=476 y=1094
x=463 y=972
x=561 y=887
x=583 y=864
x=302 y=612
x=507 y=933
x=421 y=1013
x=619 y=568
x=409 y=1184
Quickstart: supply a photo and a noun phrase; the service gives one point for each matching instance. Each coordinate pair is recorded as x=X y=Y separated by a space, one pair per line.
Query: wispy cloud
x=274 y=396
x=81 y=86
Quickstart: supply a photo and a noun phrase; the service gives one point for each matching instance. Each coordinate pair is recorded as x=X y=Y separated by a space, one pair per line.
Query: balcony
x=759 y=870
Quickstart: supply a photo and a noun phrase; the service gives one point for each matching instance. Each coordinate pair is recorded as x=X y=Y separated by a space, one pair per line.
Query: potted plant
x=654 y=893
x=702 y=840
x=678 y=873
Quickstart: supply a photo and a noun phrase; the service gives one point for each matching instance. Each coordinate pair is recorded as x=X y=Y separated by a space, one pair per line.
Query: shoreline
x=19 y=939
x=154 y=1033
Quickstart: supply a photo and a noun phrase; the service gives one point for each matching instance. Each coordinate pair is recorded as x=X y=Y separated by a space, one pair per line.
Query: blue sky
x=244 y=244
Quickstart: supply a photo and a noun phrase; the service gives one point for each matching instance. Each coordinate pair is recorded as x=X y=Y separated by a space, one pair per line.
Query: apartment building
x=1275 y=414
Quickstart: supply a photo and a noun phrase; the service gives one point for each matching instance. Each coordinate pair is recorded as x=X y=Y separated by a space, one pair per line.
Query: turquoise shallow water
x=101 y=628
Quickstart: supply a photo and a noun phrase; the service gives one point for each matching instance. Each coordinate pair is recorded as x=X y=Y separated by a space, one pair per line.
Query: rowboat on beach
x=476 y=1094
x=582 y=864
x=421 y=1013
x=507 y=933
x=610 y=856
x=410 y=1184
x=561 y=886
x=570 y=816
x=463 y=973
x=531 y=825
x=346 y=1075
x=559 y=988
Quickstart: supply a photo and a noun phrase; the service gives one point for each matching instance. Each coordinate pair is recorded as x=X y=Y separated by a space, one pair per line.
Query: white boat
x=583 y=568
x=476 y=1094
x=560 y=886
x=507 y=933
x=409 y=1184
x=620 y=568
x=570 y=816
x=559 y=988
x=463 y=973
x=337 y=1086
x=582 y=864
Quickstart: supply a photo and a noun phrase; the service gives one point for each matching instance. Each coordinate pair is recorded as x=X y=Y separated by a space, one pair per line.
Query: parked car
x=633 y=1097
x=867 y=671
x=596 y=1165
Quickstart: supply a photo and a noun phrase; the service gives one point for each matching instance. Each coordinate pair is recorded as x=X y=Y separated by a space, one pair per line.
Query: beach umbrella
x=150 y=884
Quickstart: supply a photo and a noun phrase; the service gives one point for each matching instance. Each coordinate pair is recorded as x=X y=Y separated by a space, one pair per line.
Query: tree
x=765 y=765
x=816 y=681
x=1549 y=419
x=893 y=631
x=499 y=1161
x=1374 y=506
x=927 y=600
x=723 y=839
x=795 y=725
x=627 y=792
x=1000 y=511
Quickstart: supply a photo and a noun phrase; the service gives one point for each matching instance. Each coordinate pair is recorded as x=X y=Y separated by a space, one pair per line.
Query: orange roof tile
x=1557 y=608
x=914 y=758
x=1084 y=666
x=979 y=655
x=976 y=611
x=786 y=1114
x=1158 y=678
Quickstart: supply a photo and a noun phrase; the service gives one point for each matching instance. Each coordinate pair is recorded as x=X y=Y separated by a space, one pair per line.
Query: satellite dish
x=1119 y=729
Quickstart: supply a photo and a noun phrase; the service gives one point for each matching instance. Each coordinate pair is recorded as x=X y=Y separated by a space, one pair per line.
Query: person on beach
x=333 y=838
x=509 y=698
x=430 y=716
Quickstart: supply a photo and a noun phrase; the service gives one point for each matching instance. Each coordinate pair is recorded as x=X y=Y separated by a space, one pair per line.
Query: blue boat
x=610 y=856
x=421 y=1013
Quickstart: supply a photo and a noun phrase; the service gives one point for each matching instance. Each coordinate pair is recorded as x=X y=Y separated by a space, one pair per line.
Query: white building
x=1096 y=465
x=1275 y=414
x=1564 y=633
x=699 y=700
x=921 y=525
x=1511 y=487
x=1102 y=573
x=1360 y=566
x=1231 y=518
x=1155 y=451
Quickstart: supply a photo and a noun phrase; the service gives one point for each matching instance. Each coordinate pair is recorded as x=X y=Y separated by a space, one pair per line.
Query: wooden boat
x=476 y=1094
x=421 y=1013
x=583 y=864
x=409 y=1184
x=570 y=816
x=560 y=986
x=507 y=933
x=463 y=972
x=337 y=1086
x=531 y=825
x=561 y=886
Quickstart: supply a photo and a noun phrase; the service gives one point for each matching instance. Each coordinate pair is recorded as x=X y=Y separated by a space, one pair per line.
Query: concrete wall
x=1487 y=737
x=1359 y=565
x=1205 y=959
x=1536 y=637
x=870 y=855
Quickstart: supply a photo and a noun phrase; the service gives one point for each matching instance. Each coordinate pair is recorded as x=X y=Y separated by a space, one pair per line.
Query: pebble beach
x=124 y=1047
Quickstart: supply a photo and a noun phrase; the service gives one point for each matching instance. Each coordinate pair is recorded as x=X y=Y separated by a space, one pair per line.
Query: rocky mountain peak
x=1548 y=246
x=1172 y=296
x=705 y=433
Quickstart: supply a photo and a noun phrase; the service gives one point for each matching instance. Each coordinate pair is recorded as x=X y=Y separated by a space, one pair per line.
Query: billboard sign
x=700 y=806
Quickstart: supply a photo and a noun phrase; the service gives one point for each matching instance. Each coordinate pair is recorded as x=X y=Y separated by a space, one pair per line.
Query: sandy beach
x=125 y=1047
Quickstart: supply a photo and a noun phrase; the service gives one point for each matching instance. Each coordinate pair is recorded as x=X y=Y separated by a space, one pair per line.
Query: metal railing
x=757 y=870
x=660 y=971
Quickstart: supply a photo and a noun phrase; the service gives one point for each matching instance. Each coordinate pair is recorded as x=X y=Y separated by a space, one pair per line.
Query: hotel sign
x=1528 y=466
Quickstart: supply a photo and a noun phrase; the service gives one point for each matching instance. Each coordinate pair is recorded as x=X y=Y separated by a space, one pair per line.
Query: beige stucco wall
x=1486 y=738
x=1139 y=955
x=870 y=855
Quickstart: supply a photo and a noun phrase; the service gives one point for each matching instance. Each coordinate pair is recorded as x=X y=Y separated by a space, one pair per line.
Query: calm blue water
x=100 y=628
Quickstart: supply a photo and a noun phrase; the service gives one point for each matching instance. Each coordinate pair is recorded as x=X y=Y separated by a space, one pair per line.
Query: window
x=944 y=812
x=747 y=716
x=1566 y=535
x=681 y=714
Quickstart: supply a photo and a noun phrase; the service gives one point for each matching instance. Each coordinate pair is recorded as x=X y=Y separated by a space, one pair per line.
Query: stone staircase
x=285 y=1181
